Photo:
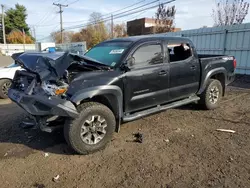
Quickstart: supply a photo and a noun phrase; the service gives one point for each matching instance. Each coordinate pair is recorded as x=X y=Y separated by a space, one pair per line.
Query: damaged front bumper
x=37 y=105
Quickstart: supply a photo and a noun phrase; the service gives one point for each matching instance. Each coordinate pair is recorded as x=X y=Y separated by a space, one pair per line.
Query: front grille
x=22 y=80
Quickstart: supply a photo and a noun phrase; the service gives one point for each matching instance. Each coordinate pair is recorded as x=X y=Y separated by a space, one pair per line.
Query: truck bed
x=223 y=62
x=202 y=56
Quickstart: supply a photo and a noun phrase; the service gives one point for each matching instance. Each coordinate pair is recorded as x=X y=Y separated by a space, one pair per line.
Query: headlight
x=53 y=89
x=60 y=91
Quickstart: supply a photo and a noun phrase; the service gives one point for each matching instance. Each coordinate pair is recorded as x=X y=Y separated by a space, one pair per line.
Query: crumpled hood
x=49 y=66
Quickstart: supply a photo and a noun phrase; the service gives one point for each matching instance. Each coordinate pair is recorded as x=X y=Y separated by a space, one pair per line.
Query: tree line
x=95 y=32
x=16 y=29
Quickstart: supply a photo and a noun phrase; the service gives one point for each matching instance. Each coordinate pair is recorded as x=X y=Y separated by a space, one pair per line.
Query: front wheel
x=212 y=95
x=4 y=87
x=92 y=130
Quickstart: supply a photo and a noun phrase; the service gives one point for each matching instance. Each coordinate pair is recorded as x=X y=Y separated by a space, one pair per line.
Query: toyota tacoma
x=116 y=81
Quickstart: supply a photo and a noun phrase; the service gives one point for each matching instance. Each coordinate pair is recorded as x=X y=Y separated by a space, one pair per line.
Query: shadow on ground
x=26 y=140
x=19 y=142
x=241 y=81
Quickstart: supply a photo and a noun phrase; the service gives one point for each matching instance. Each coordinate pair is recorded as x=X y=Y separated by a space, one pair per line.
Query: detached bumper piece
x=37 y=105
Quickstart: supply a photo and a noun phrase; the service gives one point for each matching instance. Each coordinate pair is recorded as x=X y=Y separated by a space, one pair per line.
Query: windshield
x=108 y=53
x=12 y=65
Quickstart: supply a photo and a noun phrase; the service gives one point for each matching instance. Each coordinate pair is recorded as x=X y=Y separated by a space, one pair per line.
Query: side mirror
x=128 y=64
x=131 y=62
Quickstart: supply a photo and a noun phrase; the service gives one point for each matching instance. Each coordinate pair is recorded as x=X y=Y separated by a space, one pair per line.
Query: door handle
x=193 y=67
x=163 y=73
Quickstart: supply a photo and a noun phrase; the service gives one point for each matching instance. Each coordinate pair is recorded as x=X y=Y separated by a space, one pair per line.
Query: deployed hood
x=51 y=66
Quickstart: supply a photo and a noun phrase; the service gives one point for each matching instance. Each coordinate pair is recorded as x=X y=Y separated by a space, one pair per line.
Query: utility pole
x=34 y=32
x=112 y=26
x=23 y=40
x=61 y=23
x=3 y=26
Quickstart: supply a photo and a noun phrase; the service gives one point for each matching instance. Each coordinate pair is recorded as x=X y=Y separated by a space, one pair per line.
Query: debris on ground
x=5 y=154
x=27 y=123
x=38 y=185
x=46 y=154
x=231 y=159
x=56 y=178
x=138 y=137
x=166 y=140
x=178 y=130
x=226 y=130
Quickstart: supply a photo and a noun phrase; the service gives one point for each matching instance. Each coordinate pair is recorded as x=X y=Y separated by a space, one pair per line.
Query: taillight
x=235 y=63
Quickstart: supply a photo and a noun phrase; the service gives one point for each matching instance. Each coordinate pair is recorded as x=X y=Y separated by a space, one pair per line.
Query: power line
x=138 y=7
x=125 y=8
x=45 y=17
x=53 y=30
x=133 y=17
x=73 y=2
x=48 y=25
x=111 y=12
x=109 y=17
x=117 y=16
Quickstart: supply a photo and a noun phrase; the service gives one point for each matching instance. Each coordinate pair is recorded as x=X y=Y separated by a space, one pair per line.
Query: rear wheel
x=212 y=95
x=92 y=130
x=4 y=87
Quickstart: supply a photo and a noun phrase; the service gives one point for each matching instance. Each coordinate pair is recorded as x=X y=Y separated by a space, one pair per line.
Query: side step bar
x=140 y=114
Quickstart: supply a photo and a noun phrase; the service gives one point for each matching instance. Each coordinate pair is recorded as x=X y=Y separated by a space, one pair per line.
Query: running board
x=159 y=108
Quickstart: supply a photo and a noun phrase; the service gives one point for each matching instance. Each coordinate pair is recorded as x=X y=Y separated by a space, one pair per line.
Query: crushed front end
x=44 y=99
x=42 y=88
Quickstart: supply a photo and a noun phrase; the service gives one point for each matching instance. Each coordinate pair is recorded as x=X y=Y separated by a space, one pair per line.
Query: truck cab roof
x=143 y=38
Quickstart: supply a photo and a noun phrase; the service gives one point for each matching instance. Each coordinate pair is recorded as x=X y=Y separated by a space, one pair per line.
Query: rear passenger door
x=184 y=74
x=146 y=84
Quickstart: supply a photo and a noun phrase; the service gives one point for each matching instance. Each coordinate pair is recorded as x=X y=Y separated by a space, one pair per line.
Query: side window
x=179 y=52
x=148 y=55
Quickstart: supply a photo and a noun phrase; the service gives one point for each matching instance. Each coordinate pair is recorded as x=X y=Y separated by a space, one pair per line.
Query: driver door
x=146 y=84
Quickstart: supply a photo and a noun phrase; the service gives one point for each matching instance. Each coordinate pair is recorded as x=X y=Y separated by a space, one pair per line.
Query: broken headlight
x=54 y=88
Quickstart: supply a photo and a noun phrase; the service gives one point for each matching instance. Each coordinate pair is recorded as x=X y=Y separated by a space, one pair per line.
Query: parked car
x=6 y=76
x=117 y=81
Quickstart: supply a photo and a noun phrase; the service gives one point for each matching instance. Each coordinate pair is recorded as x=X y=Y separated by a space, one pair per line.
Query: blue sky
x=43 y=15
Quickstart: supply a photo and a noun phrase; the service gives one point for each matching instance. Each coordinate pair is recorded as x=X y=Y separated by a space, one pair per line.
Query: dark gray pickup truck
x=117 y=81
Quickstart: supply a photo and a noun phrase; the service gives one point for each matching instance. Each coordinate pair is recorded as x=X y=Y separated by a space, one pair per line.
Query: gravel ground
x=181 y=149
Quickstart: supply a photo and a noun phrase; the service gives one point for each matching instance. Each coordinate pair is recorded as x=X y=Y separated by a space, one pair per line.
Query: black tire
x=207 y=101
x=4 y=87
x=73 y=128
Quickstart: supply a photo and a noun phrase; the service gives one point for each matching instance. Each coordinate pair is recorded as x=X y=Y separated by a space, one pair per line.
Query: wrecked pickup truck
x=117 y=81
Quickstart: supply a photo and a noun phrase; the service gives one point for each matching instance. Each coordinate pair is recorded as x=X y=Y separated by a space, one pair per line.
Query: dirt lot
x=181 y=149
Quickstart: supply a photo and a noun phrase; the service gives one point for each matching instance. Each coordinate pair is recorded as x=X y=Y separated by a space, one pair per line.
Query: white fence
x=9 y=49
x=74 y=47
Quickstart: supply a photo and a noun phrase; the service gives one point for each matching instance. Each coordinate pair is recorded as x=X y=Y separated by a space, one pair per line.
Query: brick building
x=143 y=26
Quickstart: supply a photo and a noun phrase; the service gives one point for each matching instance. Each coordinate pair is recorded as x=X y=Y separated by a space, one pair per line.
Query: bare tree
x=67 y=36
x=120 y=30
x=164 y=19
x=94 y=33
x=95 y=18
x=230 y=12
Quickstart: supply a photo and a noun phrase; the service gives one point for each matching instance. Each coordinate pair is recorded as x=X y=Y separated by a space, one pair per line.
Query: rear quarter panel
x=215 y=65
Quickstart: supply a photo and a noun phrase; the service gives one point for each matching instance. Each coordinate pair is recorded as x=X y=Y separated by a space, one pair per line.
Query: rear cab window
x=179 y=51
